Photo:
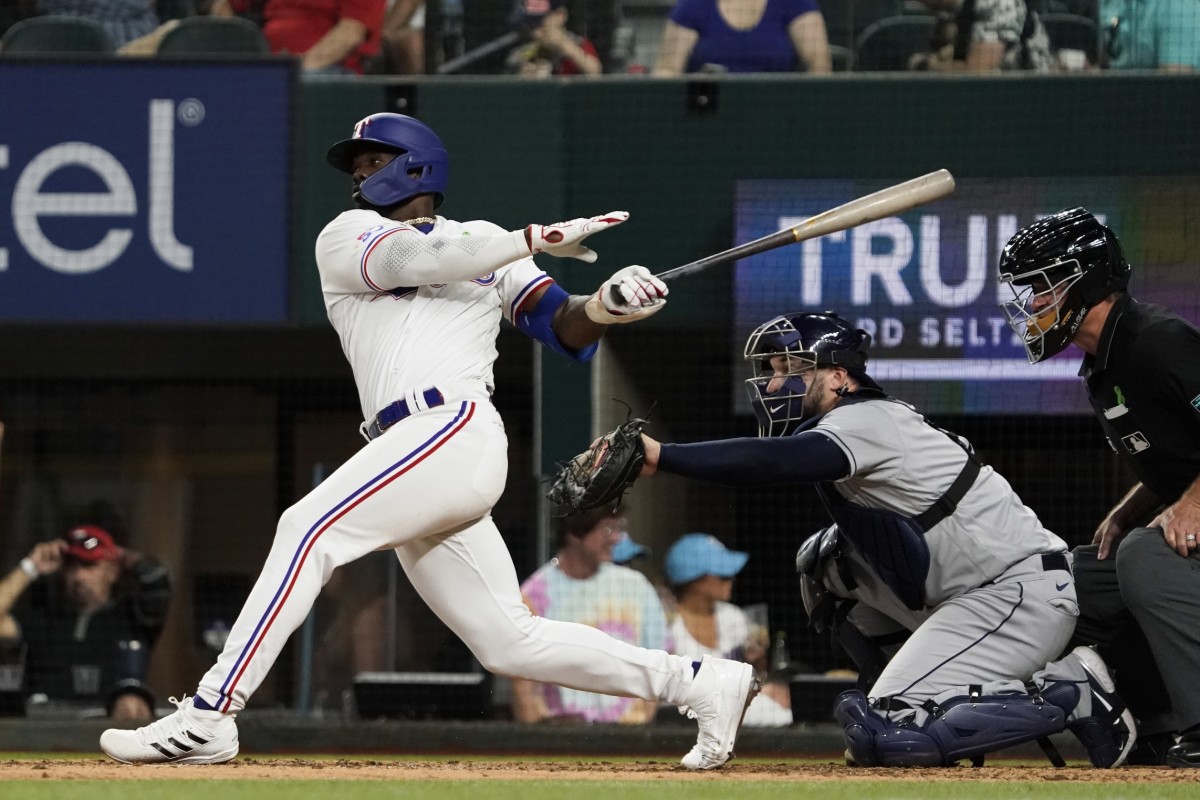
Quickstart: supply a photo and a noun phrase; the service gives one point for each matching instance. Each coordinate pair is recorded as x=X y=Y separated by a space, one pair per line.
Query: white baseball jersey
x=417 y=310
x=900 y=463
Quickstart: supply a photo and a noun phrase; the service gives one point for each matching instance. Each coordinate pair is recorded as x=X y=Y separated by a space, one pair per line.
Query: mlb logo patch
x=1136 y=442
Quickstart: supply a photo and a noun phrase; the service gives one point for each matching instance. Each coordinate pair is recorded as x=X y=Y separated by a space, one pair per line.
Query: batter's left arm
x=573 y=323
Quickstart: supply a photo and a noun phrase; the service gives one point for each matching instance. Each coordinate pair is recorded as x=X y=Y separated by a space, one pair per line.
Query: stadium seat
x=1073 y=32
x=841 y=57
x=846 y=19
x=889 y=43
x=175 y=9
x=202 y=35
x=56 y=34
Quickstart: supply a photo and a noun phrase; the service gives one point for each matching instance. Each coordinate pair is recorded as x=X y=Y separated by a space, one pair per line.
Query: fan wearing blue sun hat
x=700 y=570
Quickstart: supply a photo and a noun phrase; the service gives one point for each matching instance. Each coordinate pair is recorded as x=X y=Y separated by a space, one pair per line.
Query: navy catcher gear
x=968 y=726
x=808 y=340
x=421 y=166
x=1058 y=268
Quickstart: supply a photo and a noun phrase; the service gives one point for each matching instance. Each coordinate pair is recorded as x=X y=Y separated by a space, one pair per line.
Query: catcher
x=926 y=535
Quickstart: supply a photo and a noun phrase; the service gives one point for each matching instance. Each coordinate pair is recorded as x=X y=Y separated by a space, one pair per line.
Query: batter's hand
x=631 y=294
x=565 y=239
x=1178 y=522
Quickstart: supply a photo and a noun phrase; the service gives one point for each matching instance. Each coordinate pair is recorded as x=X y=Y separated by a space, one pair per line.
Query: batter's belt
x=392 y=413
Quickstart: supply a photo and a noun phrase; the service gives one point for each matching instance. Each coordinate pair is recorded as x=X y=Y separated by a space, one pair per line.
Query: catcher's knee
x=962 y=727
x=875 y=741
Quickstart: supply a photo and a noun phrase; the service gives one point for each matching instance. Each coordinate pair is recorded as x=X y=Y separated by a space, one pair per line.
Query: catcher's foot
x=188 y=736
x=718 y=698
x=1109 y=733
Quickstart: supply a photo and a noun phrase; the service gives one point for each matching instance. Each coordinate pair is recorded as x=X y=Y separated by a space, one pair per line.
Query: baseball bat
x=884 y=203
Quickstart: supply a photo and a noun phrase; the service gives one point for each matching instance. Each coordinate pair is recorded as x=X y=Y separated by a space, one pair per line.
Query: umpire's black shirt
x=1144 y=383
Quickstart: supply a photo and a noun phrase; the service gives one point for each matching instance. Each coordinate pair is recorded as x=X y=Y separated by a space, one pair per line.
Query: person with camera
x=86 y=642
x=547 y=46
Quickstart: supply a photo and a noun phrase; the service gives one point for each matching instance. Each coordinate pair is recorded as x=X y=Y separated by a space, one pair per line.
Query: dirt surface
x=301 y=769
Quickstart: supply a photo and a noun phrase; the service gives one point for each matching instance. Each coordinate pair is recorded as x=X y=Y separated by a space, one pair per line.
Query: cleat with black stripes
x=188 y=736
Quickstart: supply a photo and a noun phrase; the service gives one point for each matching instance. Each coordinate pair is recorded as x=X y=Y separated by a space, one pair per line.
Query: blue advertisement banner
x=924 y=284
x=145 y=192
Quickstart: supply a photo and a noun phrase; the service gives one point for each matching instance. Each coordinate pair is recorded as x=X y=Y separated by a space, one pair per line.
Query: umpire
x=1142 y=370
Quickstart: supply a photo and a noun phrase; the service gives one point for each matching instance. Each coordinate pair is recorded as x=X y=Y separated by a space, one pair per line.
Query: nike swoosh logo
x=1061 y=586
x=776 y=409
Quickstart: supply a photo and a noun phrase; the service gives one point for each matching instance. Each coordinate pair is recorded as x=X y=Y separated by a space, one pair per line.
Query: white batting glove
x=629 y=295
x=565 y=239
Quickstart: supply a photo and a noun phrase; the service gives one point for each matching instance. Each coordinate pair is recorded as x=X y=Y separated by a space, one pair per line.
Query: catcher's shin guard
x=964 y=727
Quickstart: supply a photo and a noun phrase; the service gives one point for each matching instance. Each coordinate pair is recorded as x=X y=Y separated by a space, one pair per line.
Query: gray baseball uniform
x=997 y=600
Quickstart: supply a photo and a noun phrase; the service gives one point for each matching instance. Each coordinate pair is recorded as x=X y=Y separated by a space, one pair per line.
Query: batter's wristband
x=29 y=568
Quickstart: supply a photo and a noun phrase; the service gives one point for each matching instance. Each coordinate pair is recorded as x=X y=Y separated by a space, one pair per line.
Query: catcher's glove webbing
x=603 y=473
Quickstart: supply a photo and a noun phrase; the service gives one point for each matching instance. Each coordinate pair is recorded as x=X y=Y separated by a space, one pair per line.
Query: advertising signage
x=924 y=284
x=145 y=192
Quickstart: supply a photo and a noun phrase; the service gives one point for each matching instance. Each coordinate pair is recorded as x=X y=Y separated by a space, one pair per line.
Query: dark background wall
x=668 y=151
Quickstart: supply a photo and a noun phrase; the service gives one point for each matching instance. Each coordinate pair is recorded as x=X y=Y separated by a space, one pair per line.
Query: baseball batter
x=928 y=537
x=417 y=300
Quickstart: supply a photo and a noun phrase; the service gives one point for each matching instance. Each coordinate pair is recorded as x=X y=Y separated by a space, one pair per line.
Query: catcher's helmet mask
x=808 y=340
x=1058 y=268
x=421 y=166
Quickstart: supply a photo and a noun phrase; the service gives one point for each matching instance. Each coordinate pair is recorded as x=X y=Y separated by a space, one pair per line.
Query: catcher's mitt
x=603 y=473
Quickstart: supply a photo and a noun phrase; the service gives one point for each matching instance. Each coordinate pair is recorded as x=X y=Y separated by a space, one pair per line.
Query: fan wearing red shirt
x=332 y=35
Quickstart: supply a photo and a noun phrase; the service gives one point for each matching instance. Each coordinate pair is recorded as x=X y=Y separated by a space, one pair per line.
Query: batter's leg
x=414 y=480
x=468 y=579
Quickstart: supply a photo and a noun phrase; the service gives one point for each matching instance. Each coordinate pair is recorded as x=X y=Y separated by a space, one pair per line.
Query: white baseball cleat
x=722 y=690
x=188 y=736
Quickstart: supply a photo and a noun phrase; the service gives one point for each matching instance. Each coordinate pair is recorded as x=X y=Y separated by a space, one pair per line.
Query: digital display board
x=924 y=284
x=145 y=191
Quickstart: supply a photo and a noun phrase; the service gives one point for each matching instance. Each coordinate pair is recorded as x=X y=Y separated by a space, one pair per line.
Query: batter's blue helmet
x=1058 y=268
x=419 y=148
x=809 y=340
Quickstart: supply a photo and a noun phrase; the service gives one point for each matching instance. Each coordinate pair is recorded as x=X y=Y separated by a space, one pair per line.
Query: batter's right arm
x=363 y=252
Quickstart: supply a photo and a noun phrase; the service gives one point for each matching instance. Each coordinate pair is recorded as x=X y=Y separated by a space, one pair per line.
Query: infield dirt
x=295 y=768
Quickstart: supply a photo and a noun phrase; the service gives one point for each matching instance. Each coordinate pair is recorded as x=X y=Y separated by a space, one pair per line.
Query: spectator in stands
x=701 y=570
x=548 y=47
x=1151 y=34
x=744 y=36
x=332 y=36
x=581 y=584
x=626 y=550
x=86 y=642
x=986 y=36
x=628 y=553
x=403 y=38
x=123 y=20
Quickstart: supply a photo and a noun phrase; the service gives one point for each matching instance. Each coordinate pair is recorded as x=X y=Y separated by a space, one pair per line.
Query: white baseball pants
x=426 y=488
